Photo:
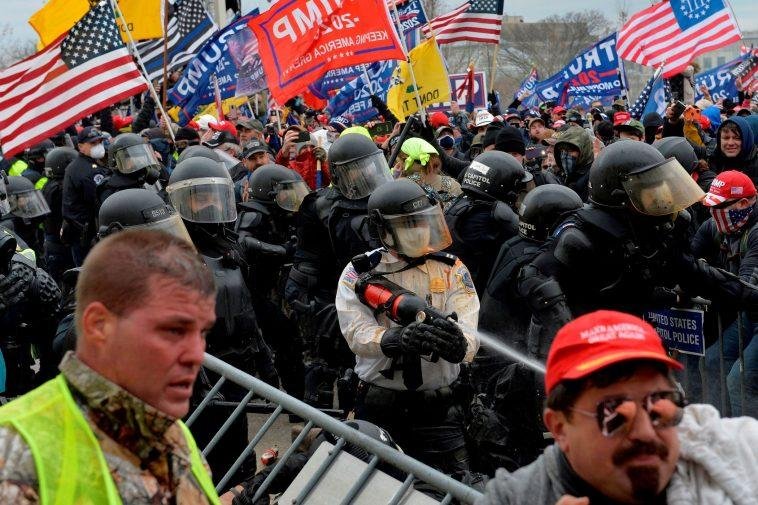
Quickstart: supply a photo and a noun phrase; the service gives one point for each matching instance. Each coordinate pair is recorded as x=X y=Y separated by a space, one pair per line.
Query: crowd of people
x=343 y=259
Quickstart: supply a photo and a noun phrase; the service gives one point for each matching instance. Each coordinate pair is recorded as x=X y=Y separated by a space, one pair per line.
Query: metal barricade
x=719 y=375
x=313 y=417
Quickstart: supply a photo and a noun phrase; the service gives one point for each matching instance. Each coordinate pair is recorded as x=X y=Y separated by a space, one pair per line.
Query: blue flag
x=412 y=18
x=526 y=89
x=593 y=73
x=195 y=88
x=660 y=97
x=336 y=79
x=354 y=98
x=720 y=81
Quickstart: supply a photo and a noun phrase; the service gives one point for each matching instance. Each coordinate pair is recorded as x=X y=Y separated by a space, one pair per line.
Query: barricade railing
x=313 y=417
x=715 y=365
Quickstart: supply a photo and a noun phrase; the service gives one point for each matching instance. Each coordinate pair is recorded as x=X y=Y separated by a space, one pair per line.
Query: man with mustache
x=622 y=431
x=107 y=430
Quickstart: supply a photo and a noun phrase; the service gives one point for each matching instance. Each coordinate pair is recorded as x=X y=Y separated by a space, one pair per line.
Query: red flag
x=81 y=72
x=300 y=40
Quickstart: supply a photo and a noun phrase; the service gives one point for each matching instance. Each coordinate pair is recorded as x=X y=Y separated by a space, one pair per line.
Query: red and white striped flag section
x=84 y=70
x=474 y=21
x=675 y=32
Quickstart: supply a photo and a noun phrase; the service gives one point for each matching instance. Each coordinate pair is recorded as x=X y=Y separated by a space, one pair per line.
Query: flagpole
x=165 y=9
x=421 y=109
x=117 y=9
x=494 y=67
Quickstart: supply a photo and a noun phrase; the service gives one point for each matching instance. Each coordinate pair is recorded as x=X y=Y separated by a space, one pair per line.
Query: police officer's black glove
x=16 y=284
x=447 y=340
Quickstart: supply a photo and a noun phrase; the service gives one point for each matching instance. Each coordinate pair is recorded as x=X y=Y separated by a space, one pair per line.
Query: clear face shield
x=204 y=200
x=28 y=204
x=4 y=204
x=415 y=235
x=135 y=158
x=290 y=194
x=662 y=189
x=162 y=218
x=357 y=179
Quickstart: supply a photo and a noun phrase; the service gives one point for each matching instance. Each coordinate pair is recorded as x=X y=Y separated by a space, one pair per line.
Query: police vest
x=18 y=168
x=70 y=465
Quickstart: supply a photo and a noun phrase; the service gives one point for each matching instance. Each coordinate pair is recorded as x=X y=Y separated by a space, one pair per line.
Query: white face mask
x=97 y=152
x=413 y=242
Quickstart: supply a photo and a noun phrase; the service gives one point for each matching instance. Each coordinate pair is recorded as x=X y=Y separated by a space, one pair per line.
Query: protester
x=623 y=430
x=144 y=304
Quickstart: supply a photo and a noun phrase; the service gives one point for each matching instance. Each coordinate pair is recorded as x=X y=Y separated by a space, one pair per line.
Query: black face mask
x=567 y=162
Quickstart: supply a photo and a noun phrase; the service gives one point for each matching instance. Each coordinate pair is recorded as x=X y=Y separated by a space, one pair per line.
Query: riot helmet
x=495 y=175
x=5 y=207
x=202 y=191
x=57 y=160
x=35 y=155
x=408 y=220
x=139 y=208
x=272 y=183
x=543 y=208
x=25 y=200
x=679 y=148
x=199 y=151
x=130 y=153
x=631 y=174
x=357 y=166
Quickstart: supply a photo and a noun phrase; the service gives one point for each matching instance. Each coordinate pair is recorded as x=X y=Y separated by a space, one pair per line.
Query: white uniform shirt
x=446 y=288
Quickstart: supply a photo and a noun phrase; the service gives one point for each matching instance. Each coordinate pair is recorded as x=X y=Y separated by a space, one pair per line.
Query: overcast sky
x=17 y=12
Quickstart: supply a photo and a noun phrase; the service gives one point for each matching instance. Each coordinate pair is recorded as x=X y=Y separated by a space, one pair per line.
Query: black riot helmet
x=199 y=152
x=357 y=166
x=36 y=153
x=636 y=176
x=495 y=175
x=272 y=183
x=139 y=208
x=25 y=200
x=679 y=148
x=130 y=153
x=57 y=160
x=543 y=208
x=408 y=220
x=202 y=191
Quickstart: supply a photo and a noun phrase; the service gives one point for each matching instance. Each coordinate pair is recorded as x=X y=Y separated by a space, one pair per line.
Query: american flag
x=189 y=27
x=474 y=21
x=675 y=32
x=651 y=91
x=84 y=70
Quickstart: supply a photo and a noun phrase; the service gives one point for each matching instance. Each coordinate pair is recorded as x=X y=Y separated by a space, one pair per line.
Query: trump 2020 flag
x=527 y=86
x=354 y=98
x=81 y=72
x=677 y=31
x=300 y=40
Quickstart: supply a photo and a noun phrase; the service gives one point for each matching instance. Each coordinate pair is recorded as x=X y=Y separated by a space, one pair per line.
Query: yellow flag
x=56 y=17
x=235 y=101
x=431 y=78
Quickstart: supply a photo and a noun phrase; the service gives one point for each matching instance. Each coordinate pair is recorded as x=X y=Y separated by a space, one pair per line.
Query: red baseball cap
x=438 y=119
x=729 y=185
x=223 y=126
x=600 y=339
x=621 y=117
x=558 y=109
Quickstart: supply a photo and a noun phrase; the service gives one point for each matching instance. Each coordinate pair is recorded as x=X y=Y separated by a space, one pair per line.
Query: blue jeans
x=731 y=366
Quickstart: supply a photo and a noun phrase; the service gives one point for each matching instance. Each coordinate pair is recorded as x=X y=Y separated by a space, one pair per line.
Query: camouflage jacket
x=145 y=449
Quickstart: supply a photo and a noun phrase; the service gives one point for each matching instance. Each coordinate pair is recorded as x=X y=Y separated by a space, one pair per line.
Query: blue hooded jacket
x=747 y=160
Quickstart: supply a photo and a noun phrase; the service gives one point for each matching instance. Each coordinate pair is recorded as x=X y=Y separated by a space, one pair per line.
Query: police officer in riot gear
x=28 y=301
x=202 y=192
x=57 y=255
x=626 y=250
x=332 y=227
x=484 y=217
x=406 y=372
x=27 y=210
x=34 y=158
x=265 y=224
x=133 y=163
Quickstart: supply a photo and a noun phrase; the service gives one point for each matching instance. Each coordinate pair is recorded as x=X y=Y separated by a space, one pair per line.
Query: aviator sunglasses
x=616 y=414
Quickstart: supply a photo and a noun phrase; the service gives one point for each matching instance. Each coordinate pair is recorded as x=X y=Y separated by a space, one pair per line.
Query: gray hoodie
x=718 y=464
